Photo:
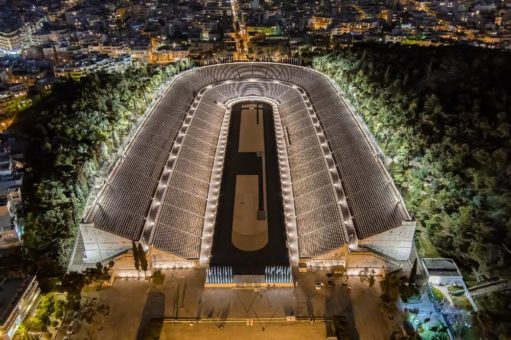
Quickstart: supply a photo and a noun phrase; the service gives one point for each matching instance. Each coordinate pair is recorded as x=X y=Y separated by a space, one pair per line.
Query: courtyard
x=187 y=310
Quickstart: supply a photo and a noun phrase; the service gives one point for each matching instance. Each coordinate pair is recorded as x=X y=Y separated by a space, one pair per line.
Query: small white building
x=442 y=271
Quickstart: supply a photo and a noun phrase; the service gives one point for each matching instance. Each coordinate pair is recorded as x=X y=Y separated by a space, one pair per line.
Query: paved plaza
x=183 y=300
x=239 y=330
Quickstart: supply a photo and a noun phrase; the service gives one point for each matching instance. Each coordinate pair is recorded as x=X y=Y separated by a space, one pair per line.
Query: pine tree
x=136 y=256
x=413 y=273
x=142 y=258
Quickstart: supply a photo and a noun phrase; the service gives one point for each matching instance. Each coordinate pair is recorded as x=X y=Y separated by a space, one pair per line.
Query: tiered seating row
x=373 y=200
x=123 y=204
x=375 y=204
x=315 y=201
x=184 y=205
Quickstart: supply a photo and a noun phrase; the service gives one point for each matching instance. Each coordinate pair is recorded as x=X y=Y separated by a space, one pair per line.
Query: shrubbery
x=442 y=116
x=71 y=133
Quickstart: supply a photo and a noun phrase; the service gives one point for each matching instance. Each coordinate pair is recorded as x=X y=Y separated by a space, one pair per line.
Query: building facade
x=20 y=298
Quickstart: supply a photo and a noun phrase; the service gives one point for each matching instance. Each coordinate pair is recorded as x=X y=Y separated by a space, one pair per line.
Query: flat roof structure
x=17 y=299
x=441 y=267
x=164 y=190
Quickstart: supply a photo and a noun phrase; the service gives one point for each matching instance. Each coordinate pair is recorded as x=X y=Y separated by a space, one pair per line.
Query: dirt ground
x=248 y=232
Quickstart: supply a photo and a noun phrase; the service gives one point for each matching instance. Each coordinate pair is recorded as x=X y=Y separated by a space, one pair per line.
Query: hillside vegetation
x=442 y=116
x=71 y=134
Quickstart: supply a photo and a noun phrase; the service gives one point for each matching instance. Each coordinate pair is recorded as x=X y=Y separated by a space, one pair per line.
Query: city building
x=10 y=228
x=442 y=271
x=14 y=99
x=317 y=23
x=18 y=298
x=16 y=31
x=11 y=180
x=92 y=63
x=11 y=42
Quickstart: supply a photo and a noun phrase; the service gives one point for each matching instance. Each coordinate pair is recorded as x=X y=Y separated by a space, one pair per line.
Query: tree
x=413 y=273
x=28 y=330
x=390 y=289
x=371 y=279
x=99 y=273
x=136 y=258
x=445 y=134
x=158 y=277
x=142 y=257
x=73 y=133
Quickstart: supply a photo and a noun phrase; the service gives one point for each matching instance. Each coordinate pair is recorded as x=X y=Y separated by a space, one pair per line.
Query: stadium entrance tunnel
x=250 y=229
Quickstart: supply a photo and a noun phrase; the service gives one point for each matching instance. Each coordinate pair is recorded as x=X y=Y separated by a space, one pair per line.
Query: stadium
x=248 y=166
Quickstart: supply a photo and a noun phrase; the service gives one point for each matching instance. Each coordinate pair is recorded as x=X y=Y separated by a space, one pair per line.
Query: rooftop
x=11 y=291
x=441 y=267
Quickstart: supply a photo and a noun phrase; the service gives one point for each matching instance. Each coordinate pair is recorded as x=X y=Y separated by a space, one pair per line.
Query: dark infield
x=248 y=163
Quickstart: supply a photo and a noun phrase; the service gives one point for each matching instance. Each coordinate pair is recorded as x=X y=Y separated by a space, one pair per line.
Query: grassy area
x=461 y=302
x=437 y=293
x=425 y=247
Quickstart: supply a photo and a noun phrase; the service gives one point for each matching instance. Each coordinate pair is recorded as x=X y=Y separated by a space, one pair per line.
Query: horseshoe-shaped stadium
x=244 y=164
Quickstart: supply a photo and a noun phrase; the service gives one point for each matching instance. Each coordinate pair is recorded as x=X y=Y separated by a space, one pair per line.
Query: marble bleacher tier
x=374 y=202
x=182 y=203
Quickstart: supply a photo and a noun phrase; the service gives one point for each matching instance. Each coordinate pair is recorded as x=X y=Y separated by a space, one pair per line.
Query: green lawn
x=438 y=294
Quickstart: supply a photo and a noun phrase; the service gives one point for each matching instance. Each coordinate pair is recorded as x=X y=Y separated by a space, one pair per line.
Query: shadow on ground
x=154 y=309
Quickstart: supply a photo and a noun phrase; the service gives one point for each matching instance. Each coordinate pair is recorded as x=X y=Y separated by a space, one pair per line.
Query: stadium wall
x=396 y=243
x=101 y=246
